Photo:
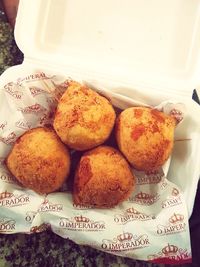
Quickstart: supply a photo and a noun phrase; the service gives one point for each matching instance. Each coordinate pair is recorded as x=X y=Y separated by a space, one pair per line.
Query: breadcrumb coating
x=103 y=178
x=145 y=136
x=83 y=119
x=39 y=160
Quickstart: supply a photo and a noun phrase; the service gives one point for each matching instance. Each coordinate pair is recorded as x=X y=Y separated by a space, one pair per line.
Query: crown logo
x=132 y=211
x=35 y=107
x=176 y=218
x=125 y=237
x=81 y=219
x=177 y=114
x=170 y=250
x=175 y=192
x=5 y=195
x=144 y=196
x=151 y=172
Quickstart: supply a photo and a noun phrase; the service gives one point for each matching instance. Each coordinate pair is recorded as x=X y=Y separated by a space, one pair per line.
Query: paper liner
x=151 y=225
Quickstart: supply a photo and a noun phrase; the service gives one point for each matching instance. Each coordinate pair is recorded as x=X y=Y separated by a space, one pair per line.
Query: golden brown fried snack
x=83 y=119
x=145 y=136
x=103 y=178
x=39 y=160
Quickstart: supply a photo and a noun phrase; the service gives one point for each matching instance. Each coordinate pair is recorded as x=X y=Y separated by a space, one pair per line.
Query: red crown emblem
x=5 y=195
x=35 y=107
x=175 y=192
x=142 y=195
x=170 y=250
x=177 y=114
x=81 y=219
x=176 y=218
x=151 y=172
x=125 y=237
x=132 y=210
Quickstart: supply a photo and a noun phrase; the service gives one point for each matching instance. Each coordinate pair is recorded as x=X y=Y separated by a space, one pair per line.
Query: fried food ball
x=145 y=136
x=83 y=119
x=39 y=160
x=103 y=178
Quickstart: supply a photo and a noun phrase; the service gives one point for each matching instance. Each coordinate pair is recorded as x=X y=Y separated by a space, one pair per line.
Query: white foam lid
x=151 y=43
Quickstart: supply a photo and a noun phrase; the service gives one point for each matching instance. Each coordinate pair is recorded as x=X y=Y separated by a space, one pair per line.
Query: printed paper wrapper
x=151 y=225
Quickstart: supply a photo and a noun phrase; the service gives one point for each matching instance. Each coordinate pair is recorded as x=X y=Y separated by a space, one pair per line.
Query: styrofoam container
x=149 y=47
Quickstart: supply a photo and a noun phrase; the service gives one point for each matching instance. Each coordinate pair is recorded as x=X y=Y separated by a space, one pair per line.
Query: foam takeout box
x=145 y=50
